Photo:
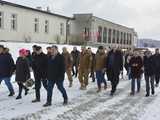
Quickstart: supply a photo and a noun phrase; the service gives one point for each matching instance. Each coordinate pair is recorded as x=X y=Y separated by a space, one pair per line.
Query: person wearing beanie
x=22 y=72
x=7 y=68
x=39 y=66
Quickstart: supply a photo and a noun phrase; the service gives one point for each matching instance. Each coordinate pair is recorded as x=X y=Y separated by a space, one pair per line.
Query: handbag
x=29 y=82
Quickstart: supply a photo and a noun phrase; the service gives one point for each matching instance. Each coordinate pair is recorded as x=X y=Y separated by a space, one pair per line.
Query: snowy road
x=88 y=105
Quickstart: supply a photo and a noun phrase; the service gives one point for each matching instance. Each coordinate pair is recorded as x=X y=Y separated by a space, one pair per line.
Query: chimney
x=48 y=9
x=39 y=8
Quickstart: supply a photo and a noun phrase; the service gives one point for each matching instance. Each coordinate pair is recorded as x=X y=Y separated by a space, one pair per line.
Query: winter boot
x=47 y=104
x=147 y=95
x=36 y=100
x=70 y=84
x=26 y=91
x=11 y=94
x=132 y=94
x=65 y=102
x=18 y=97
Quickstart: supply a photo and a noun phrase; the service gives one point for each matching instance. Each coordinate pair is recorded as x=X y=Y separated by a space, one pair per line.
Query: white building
x=25 y=24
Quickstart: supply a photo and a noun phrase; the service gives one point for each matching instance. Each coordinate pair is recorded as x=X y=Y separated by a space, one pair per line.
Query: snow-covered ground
x=83 y=105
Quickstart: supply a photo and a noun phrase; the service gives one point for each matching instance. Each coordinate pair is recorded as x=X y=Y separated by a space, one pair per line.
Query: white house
x=26 y=24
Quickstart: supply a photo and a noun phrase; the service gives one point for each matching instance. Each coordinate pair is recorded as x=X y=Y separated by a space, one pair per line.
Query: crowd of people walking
x=49 y=69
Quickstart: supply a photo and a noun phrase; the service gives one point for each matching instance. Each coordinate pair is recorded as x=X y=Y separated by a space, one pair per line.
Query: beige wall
x=25 y=24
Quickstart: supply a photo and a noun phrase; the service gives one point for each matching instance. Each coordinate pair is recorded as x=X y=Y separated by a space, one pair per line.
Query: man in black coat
x=39 y=66
x=149 y=72
x=114 y=65
x=7 y=68
x=156 y=59
x=76 y=56
x=55 y=75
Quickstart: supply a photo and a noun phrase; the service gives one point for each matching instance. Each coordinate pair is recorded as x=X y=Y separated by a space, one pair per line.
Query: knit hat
x=23 y=52
x=1 y=46
x=38 y=48
x=100 y=47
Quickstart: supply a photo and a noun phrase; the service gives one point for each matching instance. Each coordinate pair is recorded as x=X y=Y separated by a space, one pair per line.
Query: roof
x=33 y=9
x=114 y=23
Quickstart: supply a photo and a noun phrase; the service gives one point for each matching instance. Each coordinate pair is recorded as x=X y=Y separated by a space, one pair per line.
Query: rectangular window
x=130 y=39
x=109 y=35
x=68 y=29
x=118 y=37
x=121 y=38
x=105 y=35
x=86 y=33
x=114 y=35
x=124 y=42
x=13 y=22
x=46 y=26
x=36 y=25
x=62 y=29
x=127 y=38
x=1 y=20
x=99 y=34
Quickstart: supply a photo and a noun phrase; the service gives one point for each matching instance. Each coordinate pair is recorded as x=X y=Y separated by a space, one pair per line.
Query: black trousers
x=157 y=77
x=73 y=71
x=38 y=84
x=21 y=87
x=114 y=78
x=149 y=83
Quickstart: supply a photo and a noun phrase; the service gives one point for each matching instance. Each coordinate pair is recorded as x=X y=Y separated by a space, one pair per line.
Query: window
x=105 y=35
x=127 y=38
x=114 y=35
x=100 y=34
x=68 y=29
x=13 y=22
x=121 y=38
x=86 y=33
x=109 y=35
x=46 y=26
x=130 y=39
x=117 y=37
x=1 y=20
x=62 y=29
x=124 y=42
x=36 y=25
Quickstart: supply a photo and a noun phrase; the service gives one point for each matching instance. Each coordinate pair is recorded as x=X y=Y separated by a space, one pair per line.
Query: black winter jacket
x=39 y=66
x=22 y=70
x=7 y=65
x=149 y=67
x=114 y=61
x=56 y=68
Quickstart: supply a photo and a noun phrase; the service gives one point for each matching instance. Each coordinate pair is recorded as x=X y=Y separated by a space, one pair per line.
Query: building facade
x=25 y=24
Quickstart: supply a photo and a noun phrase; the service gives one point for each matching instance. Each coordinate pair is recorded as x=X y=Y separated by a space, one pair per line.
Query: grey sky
x=143 y=15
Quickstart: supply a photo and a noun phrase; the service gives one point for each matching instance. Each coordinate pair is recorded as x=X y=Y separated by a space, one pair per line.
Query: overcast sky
x=143 y=15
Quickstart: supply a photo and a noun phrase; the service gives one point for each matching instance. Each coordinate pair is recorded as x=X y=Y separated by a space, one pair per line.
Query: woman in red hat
x=22 y=72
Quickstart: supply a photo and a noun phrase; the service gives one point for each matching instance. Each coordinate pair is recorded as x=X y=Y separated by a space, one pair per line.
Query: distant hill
x=148 y=43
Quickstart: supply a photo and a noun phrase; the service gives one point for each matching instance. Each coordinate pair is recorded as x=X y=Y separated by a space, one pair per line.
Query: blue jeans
x=100 y=78
x=129 y=73
x=60 y=86
x=133 y=85
x=8 y=83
